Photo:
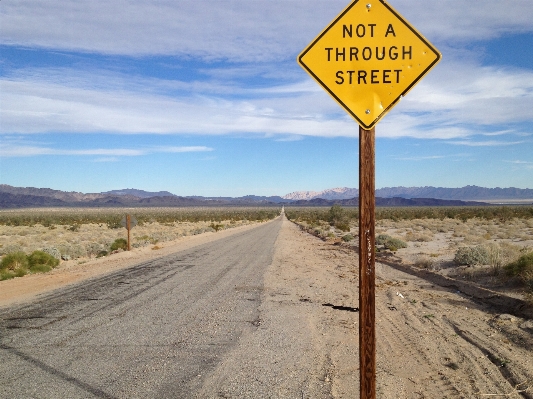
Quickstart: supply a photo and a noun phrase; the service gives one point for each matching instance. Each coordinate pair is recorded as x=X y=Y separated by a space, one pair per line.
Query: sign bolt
x=367 y=111
x=368 y=5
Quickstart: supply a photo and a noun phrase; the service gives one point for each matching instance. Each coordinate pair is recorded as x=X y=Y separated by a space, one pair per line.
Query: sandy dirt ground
x=433 y=341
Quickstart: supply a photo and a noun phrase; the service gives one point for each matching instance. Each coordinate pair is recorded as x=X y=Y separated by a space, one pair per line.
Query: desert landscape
x=78 y=235
x=445 y=330
x=472 y=244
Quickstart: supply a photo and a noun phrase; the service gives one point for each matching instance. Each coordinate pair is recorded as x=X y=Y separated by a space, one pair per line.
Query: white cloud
x=290 y=138
x=8 y=150
x=491 y=143
x=454 y=101
x=522 y=164
x=467 y=20
x=420 y=158
x=245 y=30
x=237 y=30
x=107 y=159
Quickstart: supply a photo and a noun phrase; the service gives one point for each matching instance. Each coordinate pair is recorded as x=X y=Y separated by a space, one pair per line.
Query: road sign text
x=368 y=58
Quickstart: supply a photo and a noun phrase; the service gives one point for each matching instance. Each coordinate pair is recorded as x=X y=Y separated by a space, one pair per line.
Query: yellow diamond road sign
x=368 y=58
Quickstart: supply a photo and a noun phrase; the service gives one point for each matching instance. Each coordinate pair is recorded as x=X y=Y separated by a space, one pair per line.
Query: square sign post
x=367 y=59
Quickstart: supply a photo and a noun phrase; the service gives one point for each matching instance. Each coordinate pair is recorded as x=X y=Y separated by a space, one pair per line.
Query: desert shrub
x=71 y=251
x=390 y=243
x=5 y=275
x=40 y=261
x=10 y=248
x=75 y=227
x=425 y=262
x=196 y=231
x=522 y=268
x=343 y=226
x=77 y=251
x=14 y=261
x=501 y=254
x=347 y=238
x=52 y=251
x=382 y=238
x=420 y=237
x=101 y=254
x=216 y=227
x=471 y=256
x=119 y=243
x=339 y=218
x=114 y=224
x=318 y=232
x=93 y=248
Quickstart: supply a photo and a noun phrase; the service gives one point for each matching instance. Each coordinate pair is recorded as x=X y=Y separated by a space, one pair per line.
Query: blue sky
x=206 y=98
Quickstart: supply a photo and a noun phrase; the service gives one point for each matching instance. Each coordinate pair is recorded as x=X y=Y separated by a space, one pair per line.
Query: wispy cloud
x=109 y=154
x=420 y=158
x=290 y=138
x=523 y=164
x=36 y=103
x=491 y=143
x=107 y=159
x=181 y=149
x=239 y=30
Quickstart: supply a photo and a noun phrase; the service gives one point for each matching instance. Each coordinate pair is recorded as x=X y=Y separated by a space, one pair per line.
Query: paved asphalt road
x=151 y=331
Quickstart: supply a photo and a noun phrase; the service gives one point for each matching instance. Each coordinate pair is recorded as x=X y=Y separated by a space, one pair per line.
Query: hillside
x=27 y=197
x=467 y=193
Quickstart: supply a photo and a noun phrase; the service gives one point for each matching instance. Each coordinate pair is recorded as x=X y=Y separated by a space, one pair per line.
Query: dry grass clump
x=425 y=262
x=18 y=264
x=474 y=239
x=492 y=254
x=472 y=256
x=390 y=243
x=424 y=236
x=522 y=268
x=501 y=254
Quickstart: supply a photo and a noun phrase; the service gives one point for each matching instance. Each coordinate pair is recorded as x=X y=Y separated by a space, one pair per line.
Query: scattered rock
x=506 y=317
x=527 y=325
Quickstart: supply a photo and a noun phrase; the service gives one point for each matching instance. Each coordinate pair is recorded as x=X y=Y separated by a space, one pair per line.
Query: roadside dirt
x=432 y=341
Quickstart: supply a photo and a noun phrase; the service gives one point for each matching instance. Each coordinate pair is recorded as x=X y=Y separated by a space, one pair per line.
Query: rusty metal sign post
x=367 y=59
x=128 y=222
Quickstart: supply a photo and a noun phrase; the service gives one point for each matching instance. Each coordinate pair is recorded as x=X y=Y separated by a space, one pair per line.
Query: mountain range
x=467 y=193
x=25 y=197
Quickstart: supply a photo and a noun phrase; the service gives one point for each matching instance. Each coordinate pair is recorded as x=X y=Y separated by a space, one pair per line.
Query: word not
x=360 y=30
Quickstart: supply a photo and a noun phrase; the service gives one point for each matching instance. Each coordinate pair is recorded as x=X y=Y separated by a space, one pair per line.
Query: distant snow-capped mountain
x=467 y=193
x=330 y=194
